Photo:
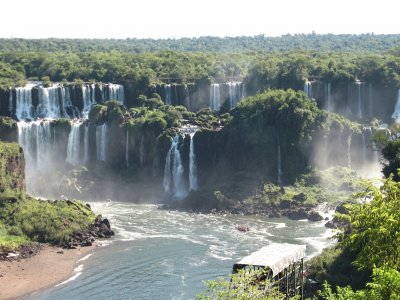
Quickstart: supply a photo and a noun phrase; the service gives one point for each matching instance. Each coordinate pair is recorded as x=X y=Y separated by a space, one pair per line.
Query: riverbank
x=52 y=265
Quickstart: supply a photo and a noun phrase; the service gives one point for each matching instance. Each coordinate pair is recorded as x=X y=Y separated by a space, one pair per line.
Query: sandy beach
x=46 y=269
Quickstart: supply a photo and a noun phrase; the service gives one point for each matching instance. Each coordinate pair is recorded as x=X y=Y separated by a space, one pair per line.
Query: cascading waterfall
x=243 y=91
x=86 y=143
x=215 y=97
x=193 y=185
x=168 y=97
x=364 y=149
x=359 y=105
x=127 y=148
x=55 y=101
x=67 y=103
x=23 y=104
x=88 y=97
x=328 y=97
x=173 y=171
x=187 y=98
x=308 y=89
x=101 y=142
x=35 y=138
x=396 y=113
x=116 y=92
x=349 y=152
x=52 y=102
x=237 y=91
x=74 y=144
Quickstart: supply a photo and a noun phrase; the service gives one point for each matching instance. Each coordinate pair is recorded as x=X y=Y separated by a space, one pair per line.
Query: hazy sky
x=180 y=18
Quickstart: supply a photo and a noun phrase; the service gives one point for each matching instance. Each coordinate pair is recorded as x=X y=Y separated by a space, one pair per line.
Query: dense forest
x=321 y=42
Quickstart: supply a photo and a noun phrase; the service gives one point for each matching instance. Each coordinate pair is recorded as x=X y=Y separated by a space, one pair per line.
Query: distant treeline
x=321 y=42
x=259 y=70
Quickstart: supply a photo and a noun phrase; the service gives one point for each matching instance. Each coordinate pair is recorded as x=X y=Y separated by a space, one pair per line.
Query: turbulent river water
x=159 y=254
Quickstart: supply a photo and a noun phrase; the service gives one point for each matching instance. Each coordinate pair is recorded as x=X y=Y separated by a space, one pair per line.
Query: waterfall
x=328 y=97
x=23 y=103
x=10 y=102
x=127 y=148
x=67 y=103
x=192 y=165
x=101 y=142
x=116 y=92
x=243 y=91
x=349 y=152
x=308 y=89
x=167 y=90
x=173 y=171
x=215 y=97
x=35 y=139
x=279 y=175
x=86 y=143
x=74 y=144
x=359 y=105
x=232 y=94
x=187 y=98
x=364 y=149
x=88 y=98
x=396 y=113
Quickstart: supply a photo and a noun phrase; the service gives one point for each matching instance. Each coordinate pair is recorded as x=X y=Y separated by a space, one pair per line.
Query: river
x=159 y=254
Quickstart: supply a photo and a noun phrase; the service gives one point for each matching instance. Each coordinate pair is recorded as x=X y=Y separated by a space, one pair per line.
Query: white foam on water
x=85 y=257
x=77 y=272
x=279 y=225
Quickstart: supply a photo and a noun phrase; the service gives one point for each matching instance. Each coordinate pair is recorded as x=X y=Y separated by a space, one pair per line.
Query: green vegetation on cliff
x=24 y=219
x=12 y=168
x=369 y=244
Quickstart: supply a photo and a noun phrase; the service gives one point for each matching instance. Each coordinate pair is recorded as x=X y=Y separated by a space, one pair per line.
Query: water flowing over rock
x=215 y=97
x=23 y=106
x=37 y=101
x=74 y=144
x=167 y=91
x=328 y=97
x=174 y=183
x=88 y=98
x=193 y=185
x=116 y=92
x=359 y=105
x=101 y=142
x=86 y=143
x=237 y=91
x=222 y=92
x=36 y=140
x=308 y=90
x=396 y=113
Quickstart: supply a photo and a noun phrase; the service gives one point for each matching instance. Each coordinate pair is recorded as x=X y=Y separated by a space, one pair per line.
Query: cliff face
x=12 y=167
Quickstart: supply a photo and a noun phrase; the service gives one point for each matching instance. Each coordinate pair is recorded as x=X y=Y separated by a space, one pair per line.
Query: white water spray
x=193 y=185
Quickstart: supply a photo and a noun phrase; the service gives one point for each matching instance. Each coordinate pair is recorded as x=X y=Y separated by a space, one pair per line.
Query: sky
x=180 y=18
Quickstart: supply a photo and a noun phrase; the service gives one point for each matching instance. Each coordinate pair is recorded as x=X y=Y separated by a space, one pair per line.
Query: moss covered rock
x=12 y=167
x=8 y=129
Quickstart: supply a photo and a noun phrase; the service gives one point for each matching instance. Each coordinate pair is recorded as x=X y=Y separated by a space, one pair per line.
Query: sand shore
x=46 y=269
